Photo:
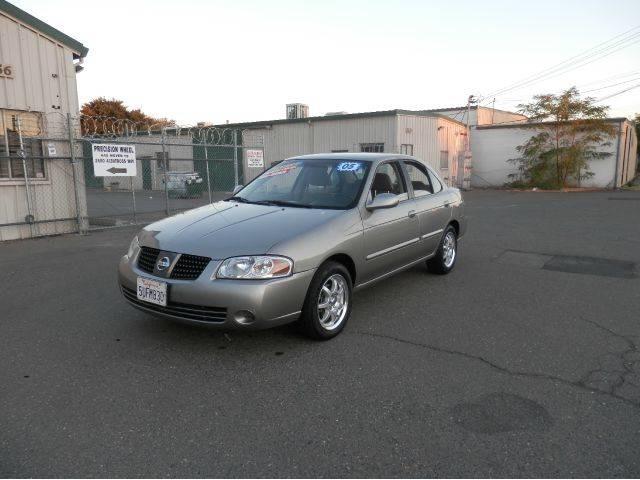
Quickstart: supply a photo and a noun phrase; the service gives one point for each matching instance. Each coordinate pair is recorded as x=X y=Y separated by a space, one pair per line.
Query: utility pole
x=493 y=109
x=470 y=100
x=466 y=160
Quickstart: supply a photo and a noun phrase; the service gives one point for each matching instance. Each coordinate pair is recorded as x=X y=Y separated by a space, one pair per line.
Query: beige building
x=37 y=92
x=435 y=138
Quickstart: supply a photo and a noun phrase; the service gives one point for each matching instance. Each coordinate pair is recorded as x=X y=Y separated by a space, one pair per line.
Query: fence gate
x=39 y=189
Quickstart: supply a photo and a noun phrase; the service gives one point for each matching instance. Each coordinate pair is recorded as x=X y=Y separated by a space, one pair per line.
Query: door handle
x=447 y=204
x=412 y=213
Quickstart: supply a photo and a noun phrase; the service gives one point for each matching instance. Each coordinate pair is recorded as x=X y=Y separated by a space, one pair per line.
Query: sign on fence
x=255 y=158
x=114 y=160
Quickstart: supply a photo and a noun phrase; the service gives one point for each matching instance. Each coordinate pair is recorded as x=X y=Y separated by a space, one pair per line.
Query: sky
x=243 y=60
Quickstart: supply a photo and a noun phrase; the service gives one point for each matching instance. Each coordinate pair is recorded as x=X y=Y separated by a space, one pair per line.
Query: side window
x=419 y=179
x=435 y=181
x=388 y=179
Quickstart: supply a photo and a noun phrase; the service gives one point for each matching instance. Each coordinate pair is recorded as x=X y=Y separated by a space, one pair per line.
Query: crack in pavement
x=580 y=384
x=618 y=377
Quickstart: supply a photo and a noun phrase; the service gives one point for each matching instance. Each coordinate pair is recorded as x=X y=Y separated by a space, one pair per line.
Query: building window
x=372 y=147
x=444 y=159
x=406 y=149
x=11 y=165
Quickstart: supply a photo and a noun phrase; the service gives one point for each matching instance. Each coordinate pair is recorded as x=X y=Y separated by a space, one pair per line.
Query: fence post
x=133 y=191
x=206 y=163
x=166 y=167
x=133 y=195
x=29 y=218
x=82 y=230
x=235 y=158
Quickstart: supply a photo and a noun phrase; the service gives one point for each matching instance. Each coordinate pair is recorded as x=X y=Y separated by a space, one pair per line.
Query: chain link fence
x=48 y=184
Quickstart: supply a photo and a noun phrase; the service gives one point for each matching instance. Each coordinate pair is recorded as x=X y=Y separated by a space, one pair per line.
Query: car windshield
x=308 y=183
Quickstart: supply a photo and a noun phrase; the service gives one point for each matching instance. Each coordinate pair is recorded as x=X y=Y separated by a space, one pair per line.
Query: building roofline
x=346 y=116
x=537 y=124
x=43 y=27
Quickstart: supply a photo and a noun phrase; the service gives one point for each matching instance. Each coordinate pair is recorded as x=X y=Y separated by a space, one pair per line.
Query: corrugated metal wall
x=489 y=116
x=483 y=116
x=44 y=80
x=627 y=147
x=44 y=77
x=427 y=136
x=290 y=139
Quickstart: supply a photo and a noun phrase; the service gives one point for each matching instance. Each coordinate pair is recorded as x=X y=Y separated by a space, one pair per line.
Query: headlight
x=249 y=268
x=133 y=247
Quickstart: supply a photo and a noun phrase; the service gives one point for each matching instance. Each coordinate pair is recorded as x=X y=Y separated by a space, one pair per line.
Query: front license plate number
x=152 y=291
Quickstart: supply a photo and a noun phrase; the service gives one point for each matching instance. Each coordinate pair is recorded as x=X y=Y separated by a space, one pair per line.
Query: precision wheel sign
x=114 y=160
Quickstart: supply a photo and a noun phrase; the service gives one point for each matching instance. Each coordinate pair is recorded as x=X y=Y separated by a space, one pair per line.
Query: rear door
x=391 y=235
x=431 y=204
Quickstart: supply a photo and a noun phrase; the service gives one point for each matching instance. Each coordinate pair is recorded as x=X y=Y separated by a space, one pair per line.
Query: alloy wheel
x=333 y=302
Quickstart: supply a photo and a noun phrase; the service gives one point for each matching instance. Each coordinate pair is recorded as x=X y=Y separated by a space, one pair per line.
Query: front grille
x=189 y=267
x=182 y=310
x=147 y=259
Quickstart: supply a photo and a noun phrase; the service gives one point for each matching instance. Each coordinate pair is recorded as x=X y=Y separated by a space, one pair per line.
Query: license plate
x=152 y=291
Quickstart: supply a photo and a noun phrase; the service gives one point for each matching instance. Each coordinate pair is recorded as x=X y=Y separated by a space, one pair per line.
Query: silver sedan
x=296 y=243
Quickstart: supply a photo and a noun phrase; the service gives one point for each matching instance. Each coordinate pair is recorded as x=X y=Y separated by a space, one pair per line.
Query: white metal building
x=494 y=145
x=435 y=138
x=37 y=91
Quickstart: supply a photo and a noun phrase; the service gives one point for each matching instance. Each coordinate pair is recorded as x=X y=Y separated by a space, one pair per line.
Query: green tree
x=101 y=112
x=570 y=135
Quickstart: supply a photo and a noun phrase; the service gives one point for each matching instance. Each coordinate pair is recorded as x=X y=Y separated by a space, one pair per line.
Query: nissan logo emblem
x=163 y=263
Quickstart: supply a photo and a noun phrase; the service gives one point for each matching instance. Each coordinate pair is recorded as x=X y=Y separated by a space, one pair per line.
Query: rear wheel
x=445 y=258
x=327 y=306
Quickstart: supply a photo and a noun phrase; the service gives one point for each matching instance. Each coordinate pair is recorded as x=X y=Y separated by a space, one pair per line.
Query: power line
x=601 y=48
x=579 y=87
x=612 y=85
x=565 y=70
x=613 y=77
x=597 y=52
x=618 y=93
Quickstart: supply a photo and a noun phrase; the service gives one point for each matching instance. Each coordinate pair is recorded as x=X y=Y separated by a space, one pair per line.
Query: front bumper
x=217 y=303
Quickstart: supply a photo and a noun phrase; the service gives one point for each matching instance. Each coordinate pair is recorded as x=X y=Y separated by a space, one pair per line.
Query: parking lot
x=522 y=362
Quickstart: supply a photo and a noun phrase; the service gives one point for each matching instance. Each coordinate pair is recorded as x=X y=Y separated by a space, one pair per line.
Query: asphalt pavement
x=523 y=362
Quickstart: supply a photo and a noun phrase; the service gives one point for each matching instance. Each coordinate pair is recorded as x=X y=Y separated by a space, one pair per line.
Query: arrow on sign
x=117 y=170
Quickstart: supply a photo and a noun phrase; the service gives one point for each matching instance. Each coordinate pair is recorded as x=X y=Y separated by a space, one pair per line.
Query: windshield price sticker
x=281 y=170
x=349 y=166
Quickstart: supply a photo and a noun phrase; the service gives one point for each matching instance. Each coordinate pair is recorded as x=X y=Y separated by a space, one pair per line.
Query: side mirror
x=237 y=188
x=383 y=200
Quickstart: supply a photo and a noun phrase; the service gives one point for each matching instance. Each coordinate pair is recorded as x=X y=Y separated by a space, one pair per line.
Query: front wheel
x=445 y=258
x=327 y=306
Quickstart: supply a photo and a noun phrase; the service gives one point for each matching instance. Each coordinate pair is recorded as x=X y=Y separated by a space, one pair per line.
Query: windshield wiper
x=237 y=199
x=283 y=203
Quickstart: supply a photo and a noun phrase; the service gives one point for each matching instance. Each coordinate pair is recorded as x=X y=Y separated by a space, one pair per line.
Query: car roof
x=371 y=157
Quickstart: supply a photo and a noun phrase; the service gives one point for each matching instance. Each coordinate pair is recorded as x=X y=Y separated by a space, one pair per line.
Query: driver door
x=391 y=235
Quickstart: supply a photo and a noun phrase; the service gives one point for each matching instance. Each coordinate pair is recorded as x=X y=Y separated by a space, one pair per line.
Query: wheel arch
x=348 y=263
x=456 y=225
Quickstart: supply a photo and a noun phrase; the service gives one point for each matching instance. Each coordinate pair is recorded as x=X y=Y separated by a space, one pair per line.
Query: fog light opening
x=244 y=317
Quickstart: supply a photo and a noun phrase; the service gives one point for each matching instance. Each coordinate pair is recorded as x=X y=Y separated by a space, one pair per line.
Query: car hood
x=227 y=229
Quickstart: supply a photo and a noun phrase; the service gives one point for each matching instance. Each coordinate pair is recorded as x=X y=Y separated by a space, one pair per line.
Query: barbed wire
x=56 y=125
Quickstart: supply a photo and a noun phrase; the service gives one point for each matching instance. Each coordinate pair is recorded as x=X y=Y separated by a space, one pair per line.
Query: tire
x=331 y=286
x=445 y=258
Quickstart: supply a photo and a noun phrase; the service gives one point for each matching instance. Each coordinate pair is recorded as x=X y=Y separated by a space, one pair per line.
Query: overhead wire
x=618 y=93
x=590 y=55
